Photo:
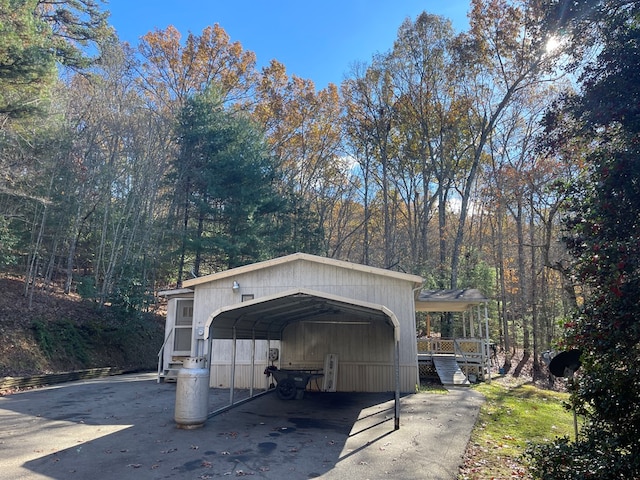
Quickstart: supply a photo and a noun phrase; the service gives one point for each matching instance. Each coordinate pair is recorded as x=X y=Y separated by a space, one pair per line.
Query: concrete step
x=170 y=374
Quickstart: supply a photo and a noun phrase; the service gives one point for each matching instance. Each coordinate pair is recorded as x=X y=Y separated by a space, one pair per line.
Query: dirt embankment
x=56 y=332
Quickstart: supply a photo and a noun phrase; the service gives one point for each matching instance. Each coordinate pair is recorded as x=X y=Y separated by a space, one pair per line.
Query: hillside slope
x=61 y=333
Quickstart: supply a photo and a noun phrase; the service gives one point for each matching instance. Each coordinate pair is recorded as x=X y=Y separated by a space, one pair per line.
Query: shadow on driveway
x=123 y=428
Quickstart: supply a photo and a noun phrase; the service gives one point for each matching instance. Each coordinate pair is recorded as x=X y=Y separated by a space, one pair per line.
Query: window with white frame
x=183 y=327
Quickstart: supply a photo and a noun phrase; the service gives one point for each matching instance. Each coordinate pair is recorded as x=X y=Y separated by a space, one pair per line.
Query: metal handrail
x=161 y=352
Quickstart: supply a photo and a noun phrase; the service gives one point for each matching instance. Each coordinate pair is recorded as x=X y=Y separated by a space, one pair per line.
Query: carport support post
x=253 y=361
x=266 y=377
x=396 y=361
x=232 y=383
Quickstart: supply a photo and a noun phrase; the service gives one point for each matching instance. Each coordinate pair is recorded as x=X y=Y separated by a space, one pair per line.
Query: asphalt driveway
x=122 y=428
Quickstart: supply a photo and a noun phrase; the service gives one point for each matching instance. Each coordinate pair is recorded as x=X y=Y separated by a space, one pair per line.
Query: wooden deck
x=455 y=361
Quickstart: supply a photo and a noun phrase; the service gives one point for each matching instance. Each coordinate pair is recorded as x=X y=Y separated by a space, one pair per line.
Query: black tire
x=286 y=389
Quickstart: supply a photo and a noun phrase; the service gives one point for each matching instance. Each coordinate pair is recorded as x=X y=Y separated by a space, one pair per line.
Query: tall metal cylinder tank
x=192 y=393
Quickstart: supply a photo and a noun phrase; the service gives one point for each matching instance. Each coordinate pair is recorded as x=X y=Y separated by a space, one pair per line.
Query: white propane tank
x=192 y=394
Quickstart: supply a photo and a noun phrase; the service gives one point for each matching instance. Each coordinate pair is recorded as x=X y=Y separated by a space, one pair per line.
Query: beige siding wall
x=352 y=377
x=361 y=347
x=307 y=344
x=221 y=360
x=221 y=376
x=222 y=351
x=365 y=354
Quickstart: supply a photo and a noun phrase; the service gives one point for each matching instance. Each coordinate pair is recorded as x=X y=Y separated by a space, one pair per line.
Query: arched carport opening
x=266 y=318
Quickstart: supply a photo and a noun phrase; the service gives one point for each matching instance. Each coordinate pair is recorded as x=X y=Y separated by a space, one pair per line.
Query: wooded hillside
x=143 y=165
x=63 y=333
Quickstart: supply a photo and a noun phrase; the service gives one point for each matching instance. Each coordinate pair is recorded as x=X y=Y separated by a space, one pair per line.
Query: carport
x=266 y=318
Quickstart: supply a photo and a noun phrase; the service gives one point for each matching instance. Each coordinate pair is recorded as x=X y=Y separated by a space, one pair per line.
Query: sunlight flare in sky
x=552 y=44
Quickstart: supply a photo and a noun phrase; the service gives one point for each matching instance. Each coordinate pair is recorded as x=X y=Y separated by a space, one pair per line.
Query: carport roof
x=267 y=317
x=449 y=300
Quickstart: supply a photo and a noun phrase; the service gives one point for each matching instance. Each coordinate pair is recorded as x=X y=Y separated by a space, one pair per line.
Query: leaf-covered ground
x=515 y=412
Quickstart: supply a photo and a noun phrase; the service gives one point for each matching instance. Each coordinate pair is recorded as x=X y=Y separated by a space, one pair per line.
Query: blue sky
x=317 y=40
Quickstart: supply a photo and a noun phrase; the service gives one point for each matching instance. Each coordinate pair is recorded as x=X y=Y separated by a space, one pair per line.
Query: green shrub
x=596 y=455
x=62 y=340
x=122 y=339
x=86 y=287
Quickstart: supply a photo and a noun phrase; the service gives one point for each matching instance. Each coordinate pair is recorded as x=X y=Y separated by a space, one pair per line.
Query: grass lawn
x=511 y=417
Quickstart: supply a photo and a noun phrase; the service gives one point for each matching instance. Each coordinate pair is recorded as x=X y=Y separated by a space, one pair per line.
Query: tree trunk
x=506 y=344
x=522 y=274
x=183 y=244
x=442 y=239
x=365 y=201
x=71 y=253
x=537 y=370
x=32 y=272
x=388 y=256
x=198 y=257
x=464 y=210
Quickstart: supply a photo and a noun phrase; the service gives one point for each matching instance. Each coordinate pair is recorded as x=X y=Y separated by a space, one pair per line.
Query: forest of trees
x=127 y=169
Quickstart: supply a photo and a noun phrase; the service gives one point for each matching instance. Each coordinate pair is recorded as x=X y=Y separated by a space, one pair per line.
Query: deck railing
x=471 y=353
x=438 y=345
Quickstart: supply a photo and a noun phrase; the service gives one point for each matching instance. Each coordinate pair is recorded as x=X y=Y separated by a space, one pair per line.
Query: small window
x=184 y=314
x=247 y=296
x=183 y=327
